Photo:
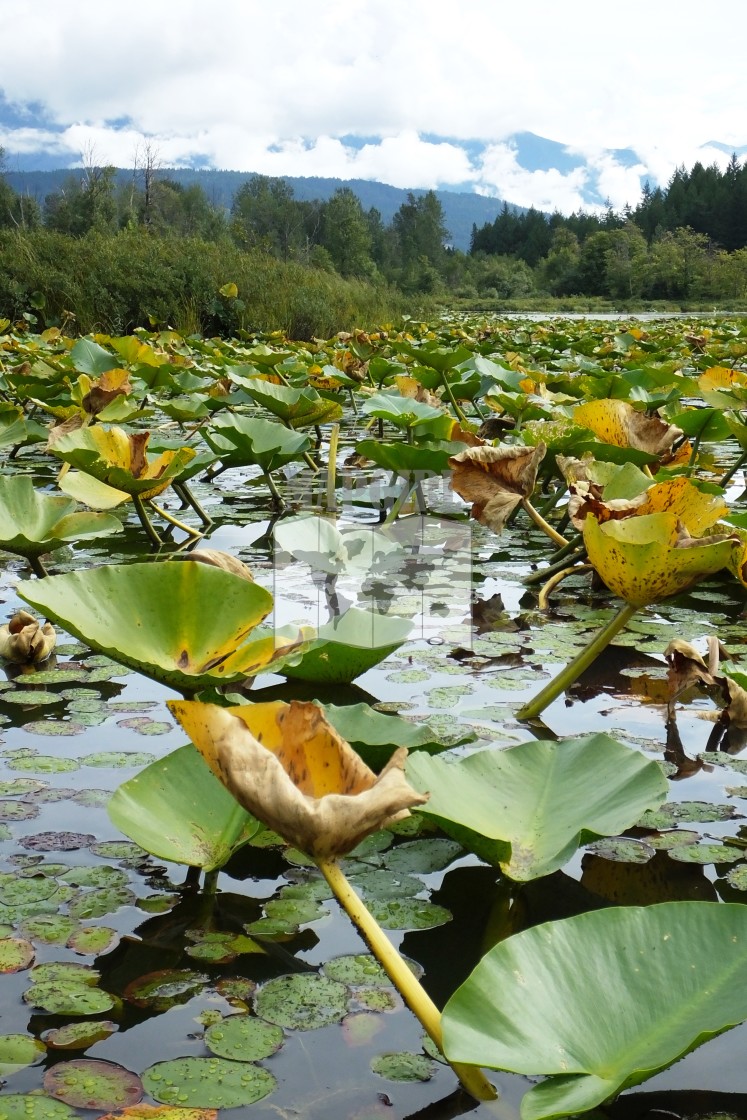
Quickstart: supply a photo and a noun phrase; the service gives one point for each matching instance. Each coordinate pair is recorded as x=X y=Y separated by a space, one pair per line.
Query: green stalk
x=187 y=496
x=544 y=573
x=540 y=522
x=145 y=521
x=334 y=436
x=573 y=670
x=164 y=513
x=400 y=501
x=450 y=393
x=733 y=470
x=412 y=992
x=37 y=567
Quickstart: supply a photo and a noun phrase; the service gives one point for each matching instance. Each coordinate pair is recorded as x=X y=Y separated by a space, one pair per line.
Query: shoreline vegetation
x=98 y=255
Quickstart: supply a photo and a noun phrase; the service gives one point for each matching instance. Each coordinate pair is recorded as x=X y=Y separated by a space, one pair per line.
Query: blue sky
x=416 y=93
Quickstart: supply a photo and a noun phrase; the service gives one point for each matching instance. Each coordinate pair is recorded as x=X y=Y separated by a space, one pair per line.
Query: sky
x=415 y=93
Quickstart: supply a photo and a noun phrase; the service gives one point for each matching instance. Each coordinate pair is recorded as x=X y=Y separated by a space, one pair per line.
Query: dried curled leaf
x=24 y=640
x=288 y=767
x=495 y=479
x=618 y=423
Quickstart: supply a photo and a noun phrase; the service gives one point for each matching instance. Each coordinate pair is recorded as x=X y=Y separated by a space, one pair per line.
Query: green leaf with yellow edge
x=645 y=559
x=186 y=625
x=120 y=460
x=299 y=408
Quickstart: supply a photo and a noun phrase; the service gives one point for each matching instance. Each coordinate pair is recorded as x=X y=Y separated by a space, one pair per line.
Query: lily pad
x=47 y=763
x=50 y=929
x=71 y=999
x=93 y=941
x=208 y=1082
x=16 y=954
x=177 y=810
x=528 y=808
x=100 y=901
x=673 y=812
x=362 y=969
x=165 y=989
x=675 y=973
x=349 y=646
x=301 y=1002
x=706 y=853
x=157 y=619
x=423 y=857
x=403 y=1066
x=57 y=841
x=18 y=810
x=89 y=1083
x=408 y=913
x=118 y=759
x=243 y=1038
x=79 y=1036
x=29 y=1106
x=18 y=1051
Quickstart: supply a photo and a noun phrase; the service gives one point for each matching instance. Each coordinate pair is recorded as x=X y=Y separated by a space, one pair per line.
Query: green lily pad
x=118 y=759
x=17 y=787
x=622 y=849
x=46 y=763
x=403 y=1066
x=208 y=1082
x=301 y=1002
x=50 y=929
x=675 y=974
x=100 y=901
x=177 y=810
x=528 y=808
x=376 y=735
x=95 y=875
x=360 y=1028
x=31 y=698
x=33 y=522
x=423 y=857
x=706 y=853
x=242 y=1038
x=157 y=619
x=89 y=1083
x=29 y=1106
x=18 y=810
x=18 y=1051
x=72 y=999
x=408 y=913
x=698 y=811
x=379 y=883
x=116 y=849
x=348 y=646
x=165 y=989
x=79 y=1036
x=16 y=954
x=92 y=941
x=18 y=892
x=362 y=969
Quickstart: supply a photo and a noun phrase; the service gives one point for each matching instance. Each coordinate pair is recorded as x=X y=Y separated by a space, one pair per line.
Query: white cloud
x=274 y=87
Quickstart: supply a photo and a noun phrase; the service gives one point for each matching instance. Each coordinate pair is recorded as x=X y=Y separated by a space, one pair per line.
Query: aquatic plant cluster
x=259 y=531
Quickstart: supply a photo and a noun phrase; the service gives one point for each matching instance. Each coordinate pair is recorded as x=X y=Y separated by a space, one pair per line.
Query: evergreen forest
x=101 y=252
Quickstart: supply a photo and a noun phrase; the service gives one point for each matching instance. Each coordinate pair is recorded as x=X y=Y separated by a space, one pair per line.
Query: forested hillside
x=683 y=243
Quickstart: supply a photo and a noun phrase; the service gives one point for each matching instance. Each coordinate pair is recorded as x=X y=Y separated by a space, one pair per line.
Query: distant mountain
x=461 y=209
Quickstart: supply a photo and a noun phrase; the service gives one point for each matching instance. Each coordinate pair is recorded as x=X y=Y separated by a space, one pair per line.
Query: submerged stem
x=37 y=567
x=573 y=670
x=412 y=992
x=554 y=580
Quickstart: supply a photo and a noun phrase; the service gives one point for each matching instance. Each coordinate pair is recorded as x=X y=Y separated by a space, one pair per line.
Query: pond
x=144 y=968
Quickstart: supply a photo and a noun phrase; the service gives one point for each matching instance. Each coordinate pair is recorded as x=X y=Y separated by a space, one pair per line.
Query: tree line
x=687 y=241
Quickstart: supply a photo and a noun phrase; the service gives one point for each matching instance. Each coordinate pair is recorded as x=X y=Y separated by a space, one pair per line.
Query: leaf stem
x=554 y=580
x=540 y=522
x=145 y=521
x=37 y=567
x=573 y=670
x=164 y=513
x=334 y=436
x=411 y=990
